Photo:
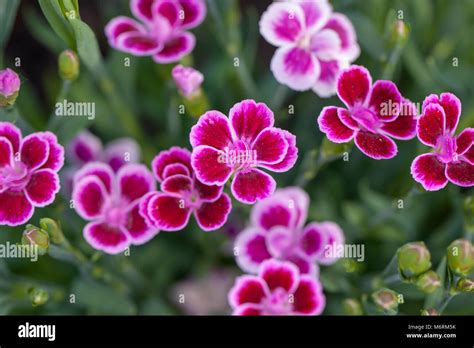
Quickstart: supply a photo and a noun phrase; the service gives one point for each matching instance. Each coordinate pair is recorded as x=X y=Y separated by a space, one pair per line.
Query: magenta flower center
x=192 y=200
x=115 y=212
x=446 y=149
x=278 y=303
x=365 y=117
x=14 y=177
x=240 y=157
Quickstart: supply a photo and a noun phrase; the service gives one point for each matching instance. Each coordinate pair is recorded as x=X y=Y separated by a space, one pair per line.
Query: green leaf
x=53 y=13
x=8 y=9
x=87 y=46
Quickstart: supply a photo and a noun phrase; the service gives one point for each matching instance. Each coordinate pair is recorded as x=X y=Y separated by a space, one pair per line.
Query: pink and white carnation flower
x=110 y=201
x=28 y=173
x=182 y=195
x=161 y=30
x=238 y=146
x=314 y=44
x=278 y=231
x=278 y=289
x=374 y=114
x=453 y=156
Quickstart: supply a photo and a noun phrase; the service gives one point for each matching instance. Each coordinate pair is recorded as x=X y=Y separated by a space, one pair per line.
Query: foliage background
x=359 y=194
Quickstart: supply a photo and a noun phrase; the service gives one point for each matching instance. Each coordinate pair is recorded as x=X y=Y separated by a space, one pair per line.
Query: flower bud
x=351 y=306
x=400 y=33
x=465 y=285
x=386 y=300
x=38 y=296
x=68 y=65
x=461 y=257
x=428 y=282
x=53 y=229
x=9 y=87
x=413 y=259
x=34 y=236
x=429 y=312
x=188 y=80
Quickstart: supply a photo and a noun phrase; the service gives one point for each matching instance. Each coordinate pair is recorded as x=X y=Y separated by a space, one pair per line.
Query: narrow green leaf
x=87 y=46
x=8 y=9
x=53 y=13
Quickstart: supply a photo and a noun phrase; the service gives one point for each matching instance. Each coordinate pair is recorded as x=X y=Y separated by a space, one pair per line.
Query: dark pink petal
x=138 y=228
x=431 y=124
x=6 y=152
x=251 y=250
x=330 y=124
x=34 y=151
x=194 y=13
x=280 y=242
x=347 y=120
x=176 y=48
x=98 y=169
x=248 y=310
x=298 y=202
x=308 y=297
x=55 y=159
x=344 y=28
x=295 y=67
x=316 y=13
x=168 y=10
x=135 y=180
x=325 y=86
x=174 y=169
x=451 y=106
x=353 y=85
x=120 y=152
x=209 y=166
x=142 y=9
x=15 y=208
x=312 y=241
x=273 y=211
x=304 y=264
x=290 y=158
x=172 y=156
x=468 y=156
x=461 y=173
x=282 y=23
x=143 y=207
x=110 y=239
x=211 y=216
x=121 y=25
x=249 y=119
x=247 y=289
x=84 y=148
x=169 y=213
x=252 y=185
x=334 y=239
x=404 y=126
x=12 y=133
x=177 y=184
x=385 y=100
x=207 y=193
x=213 y=130
x=376 y=146
x=139 y=44
x=429 y=172
x=89 y=196
x=279 y=275
x=464 y=141
x=326 y=45
x=42 y=187
x=270 y=146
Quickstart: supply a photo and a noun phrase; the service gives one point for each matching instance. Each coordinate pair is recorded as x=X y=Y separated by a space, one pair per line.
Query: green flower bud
x=53 y=229
x=38 y=296
x=68 y=65
x=429 y=312
x=461 y=257
x=414 y=259
x=386 y=300
x=428 y=282
x=465 y=285
x=351 y=306
x=400 y=33
x=34 y=236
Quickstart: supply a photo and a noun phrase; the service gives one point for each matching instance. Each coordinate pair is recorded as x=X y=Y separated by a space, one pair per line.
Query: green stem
x=393 y=279
x=279 y=97
x=395 y=55
x=446 y=301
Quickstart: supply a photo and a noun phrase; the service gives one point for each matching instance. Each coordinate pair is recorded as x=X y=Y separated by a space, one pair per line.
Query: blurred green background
x=359 y=194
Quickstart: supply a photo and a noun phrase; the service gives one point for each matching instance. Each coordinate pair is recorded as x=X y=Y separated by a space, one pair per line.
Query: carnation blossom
x=161 y=29
x=28 y=173
x=279 y=289
x=374 y=113
x=453 y=156
x=110 y=201
x=9 y=87
x=278 y=231
x=187 y=79
x=183 y=195
x=314 y=44
x=239 y=146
